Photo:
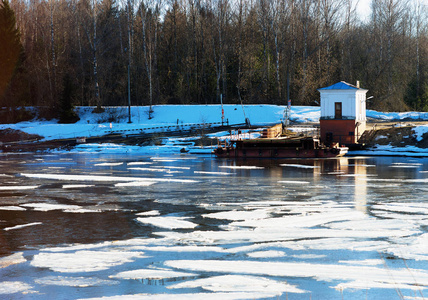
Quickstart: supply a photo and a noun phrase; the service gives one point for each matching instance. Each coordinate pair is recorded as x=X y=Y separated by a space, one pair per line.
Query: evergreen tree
x=10 y=45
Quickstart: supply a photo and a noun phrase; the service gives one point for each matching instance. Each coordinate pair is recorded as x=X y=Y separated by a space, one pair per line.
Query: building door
x=338 y=110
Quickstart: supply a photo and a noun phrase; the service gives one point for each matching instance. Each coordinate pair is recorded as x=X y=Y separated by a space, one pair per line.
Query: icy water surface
x=91 y=226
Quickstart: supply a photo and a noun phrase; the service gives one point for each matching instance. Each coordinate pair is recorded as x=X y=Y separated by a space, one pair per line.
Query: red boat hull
x=279 y=153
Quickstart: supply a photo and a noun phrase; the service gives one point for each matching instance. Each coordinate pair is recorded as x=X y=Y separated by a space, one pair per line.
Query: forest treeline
x=149 y=52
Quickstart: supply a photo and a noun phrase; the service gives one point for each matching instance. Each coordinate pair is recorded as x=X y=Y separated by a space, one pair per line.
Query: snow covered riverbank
x=115 y=119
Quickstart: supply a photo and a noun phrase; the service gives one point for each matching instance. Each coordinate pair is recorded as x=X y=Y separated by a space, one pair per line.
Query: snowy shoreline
x=115 y=120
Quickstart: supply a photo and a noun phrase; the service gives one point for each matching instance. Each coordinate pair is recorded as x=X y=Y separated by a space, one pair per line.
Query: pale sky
x=364 y=9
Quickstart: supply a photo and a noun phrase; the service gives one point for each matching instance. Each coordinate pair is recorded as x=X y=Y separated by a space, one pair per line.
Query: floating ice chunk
x=16 y=208
x=372 y=276
x=417 y=249
x=148 y=169
x=83 y=261
x=102 y=178
x=149 y=213
x=179 y=249
x=237 y=283
x=266 y=254
x=12 y=287
x=168 y=222
x=379 y=224
x=172 y=167
x=363 y=284
x=309 y=256
x=240 y=215
x=406 y=164
x=152 y=274
x=74 y=281
x=299 y=166
x=195 y=296
x=163 y=159
x=22 y=226
x=404 y=207
x=18 y=187
x=13 y=259
x=212 y=173
x=76 y=186
x=367 y=262
x=241 y=167
x=137 y=163
x=108 y=164
x=303 y=221
x=337 y=244
x=412 y=166
x=283 y=233
x=293 y=182
x=134 y=183
x=51 y=206
x=399 y=180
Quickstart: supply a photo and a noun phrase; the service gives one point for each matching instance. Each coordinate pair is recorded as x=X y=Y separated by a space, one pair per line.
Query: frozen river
x=85 y=226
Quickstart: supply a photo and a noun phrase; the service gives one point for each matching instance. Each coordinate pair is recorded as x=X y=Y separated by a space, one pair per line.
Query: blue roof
x=340 y=86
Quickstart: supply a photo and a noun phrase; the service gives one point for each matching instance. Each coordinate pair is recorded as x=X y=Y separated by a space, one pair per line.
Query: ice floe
x=241 y=167
x=76 y=186
x=148 y=169
x=169 y=222
x=299 y=166
x=108 y=164
x=134 y=183
x=417 y=249
x=137 y=163
x=236 y=283
x=266 y=254
x=149 y=213
x=12 y=259
x=192 y=296
x=152 y=274
x=83 y=260
x=373 y=276
x=212 y=173
x=12 y=287
x=74 y=281
x=240 y=214
x=20 y=187
x=52 y=206
x=413 y=208
x=293 y=182
x=72 y=177
x=16 y=208
x=22 y=226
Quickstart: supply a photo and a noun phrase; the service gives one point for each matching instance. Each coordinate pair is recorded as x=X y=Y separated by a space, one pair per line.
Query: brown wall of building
x=340 y=131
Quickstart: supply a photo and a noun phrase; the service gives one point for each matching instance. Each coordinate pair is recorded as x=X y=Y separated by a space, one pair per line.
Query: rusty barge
x=273 y=145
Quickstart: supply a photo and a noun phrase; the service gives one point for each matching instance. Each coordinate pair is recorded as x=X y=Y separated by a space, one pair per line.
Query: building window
x=338 y=110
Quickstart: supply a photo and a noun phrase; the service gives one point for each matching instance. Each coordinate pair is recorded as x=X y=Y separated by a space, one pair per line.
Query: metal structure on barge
x=279 y=147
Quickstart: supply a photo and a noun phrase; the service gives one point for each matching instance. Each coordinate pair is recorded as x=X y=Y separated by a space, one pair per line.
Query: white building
x=343 y=113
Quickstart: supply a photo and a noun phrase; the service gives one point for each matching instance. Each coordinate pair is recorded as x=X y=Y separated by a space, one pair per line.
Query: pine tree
x=10 y=45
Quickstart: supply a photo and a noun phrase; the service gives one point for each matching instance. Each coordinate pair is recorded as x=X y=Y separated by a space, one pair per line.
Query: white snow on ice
x=74 y=281
x=22 y=226
x=152 y=274
x=12 y=259
x=83 y=260
x=169 y=222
